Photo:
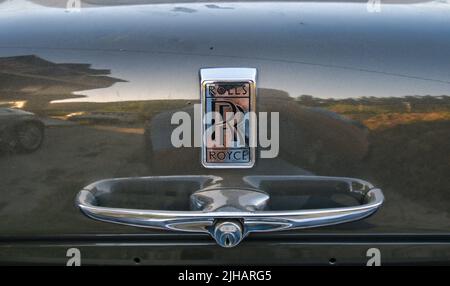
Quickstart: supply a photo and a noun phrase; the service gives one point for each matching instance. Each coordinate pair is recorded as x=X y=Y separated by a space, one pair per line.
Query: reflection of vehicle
x=20 y=130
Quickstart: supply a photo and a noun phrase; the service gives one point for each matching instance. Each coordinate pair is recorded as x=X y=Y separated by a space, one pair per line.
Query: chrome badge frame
x=228 y=91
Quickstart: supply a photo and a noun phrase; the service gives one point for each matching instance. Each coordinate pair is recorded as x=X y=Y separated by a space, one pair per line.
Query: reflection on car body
x=359 y=95
x=20 y=130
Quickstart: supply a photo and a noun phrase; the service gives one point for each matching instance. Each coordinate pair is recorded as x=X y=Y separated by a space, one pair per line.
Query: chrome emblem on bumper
x=228 y=117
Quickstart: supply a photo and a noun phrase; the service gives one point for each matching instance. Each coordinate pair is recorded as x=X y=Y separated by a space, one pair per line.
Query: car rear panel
x=360 y=94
